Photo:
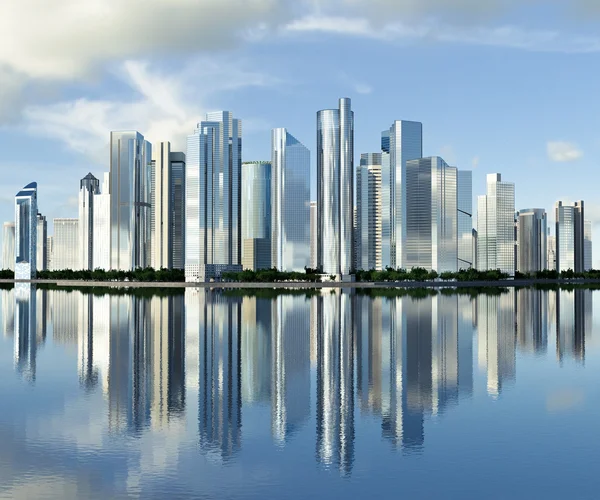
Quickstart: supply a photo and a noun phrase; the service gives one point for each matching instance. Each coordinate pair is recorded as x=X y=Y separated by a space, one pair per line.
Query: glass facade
x=130 y=209
x=290 y=195
x=313 y=235
x=402 y=142
x=465 y=219
x=89 y=186
x=213 y=197
x=101 y=227
x=26 y=232
x=335 y=189
x=368 y=212
x=570 y=237
x=42 y=248
x=532 y=245
x=587 y=250
x=8 y=246
x=66 y=253
x=496 y=226
x=256 y=215
x=431 y=215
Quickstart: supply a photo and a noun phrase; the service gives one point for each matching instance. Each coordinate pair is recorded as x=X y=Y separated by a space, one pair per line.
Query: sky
x=500 y=85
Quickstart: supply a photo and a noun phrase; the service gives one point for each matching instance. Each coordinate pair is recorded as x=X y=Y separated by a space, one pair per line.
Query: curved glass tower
x=335 y=189
x=26 y=232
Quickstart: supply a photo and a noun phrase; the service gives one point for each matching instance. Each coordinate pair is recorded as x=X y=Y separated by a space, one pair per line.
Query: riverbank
x=230 y=285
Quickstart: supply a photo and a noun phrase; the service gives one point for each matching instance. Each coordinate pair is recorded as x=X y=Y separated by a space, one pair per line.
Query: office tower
x=65 y=251
x=431 y=215
x=168 y=208
x=464 y=200
x=474 y=233
x=402 y=142
x=551 y=242
x=587 y=245
x=26 y=232
x=213 y=206
x=101 y=226
x=290 y=206
x=570 y=236
x=313 y=235
x=89 y=187
x=130 y=186
x=335 y=189
x=532 y=247
x=368 y=212
x=8 y=246
x=42 y=249
x=496 y=226
x=50 y=251
x=256 y=215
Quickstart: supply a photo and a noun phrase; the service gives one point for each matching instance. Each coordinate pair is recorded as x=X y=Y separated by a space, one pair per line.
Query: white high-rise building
x=50 y=251
x=66 y=252
x=213 y=206
x=101 y=226
x=368 y=212
x=26 y=232
x=587 y=245
x=313 y=235
x=496 y=226
x=401 y=143
x=168 y=213
x=290 y=202
x=431 y=215
x=570 y=239
x=130 y=188
x=89 y=187
x=8 y=246
x=465 y=219
x=42 y=235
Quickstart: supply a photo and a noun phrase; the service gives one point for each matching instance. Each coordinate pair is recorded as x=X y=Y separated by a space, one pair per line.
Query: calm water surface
x=332 y=395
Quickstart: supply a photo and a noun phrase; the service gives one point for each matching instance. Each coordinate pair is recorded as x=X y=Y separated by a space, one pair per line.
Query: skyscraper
x=570 y=238
x=168 y=213
x=431 y=215
x=101 y=226
x=368 y=212
x=402 y=142
x=213 y=205
x=256 y=215
x=8 y=246
x=130 y=187
x=335 y=189
x=551 y=241
x=50 y=251
x=26 y=232
x=496 y=226
x=290 y=207
x=66 y=253
x=313 y=235
x=465 y=219
x=42 y=235
x=587 y=250
x=532 y=246
x=89 y=186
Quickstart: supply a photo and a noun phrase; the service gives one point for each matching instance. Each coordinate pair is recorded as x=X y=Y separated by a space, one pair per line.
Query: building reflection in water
x=573 y=322
x=256 y=351
x=532 y=320
x=335 y=380
x=25 y=325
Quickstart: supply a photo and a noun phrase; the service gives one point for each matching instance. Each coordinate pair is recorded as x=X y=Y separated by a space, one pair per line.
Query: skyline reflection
x=316 y=363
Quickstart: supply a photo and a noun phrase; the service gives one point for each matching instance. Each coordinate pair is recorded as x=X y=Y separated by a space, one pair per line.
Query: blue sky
x=500 y=86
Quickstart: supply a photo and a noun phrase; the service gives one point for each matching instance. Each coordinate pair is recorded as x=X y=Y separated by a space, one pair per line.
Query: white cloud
x=362 y=88
x=475 y=162
x=560 y=151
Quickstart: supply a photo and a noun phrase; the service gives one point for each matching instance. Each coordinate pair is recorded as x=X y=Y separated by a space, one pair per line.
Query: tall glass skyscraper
x=496 y=226
x=368 y=212
x=8 y=246
x=101 y=226
x=168 y=212
x=26 y=232
x=313 y=235
x=335 y=189
x=532 y=243
x=570 y=238
x=431 y=215
x=130 y=189
x=256 y=215
x=213 y=204
x=402 y=142
x=290 y=195
x=587 y=243
x=42 y=249
x=89 y=186
x=465 y=219
x=66 y=251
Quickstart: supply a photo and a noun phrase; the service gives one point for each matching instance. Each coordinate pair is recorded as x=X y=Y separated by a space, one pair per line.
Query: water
x=333 y=395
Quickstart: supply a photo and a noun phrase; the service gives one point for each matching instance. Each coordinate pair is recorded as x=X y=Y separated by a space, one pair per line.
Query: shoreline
x=309 y=285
